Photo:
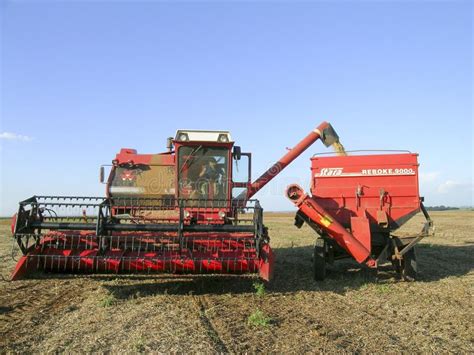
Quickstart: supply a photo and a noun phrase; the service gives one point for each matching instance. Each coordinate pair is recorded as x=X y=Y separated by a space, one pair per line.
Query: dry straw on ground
x=353 y=310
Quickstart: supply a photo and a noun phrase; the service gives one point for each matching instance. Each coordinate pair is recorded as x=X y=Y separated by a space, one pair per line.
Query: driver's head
x=212 y=163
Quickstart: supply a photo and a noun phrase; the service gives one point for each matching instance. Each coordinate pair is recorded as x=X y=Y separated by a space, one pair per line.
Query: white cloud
x=14 y=137
x=429 y=177
x=452 y=185
x=439 y=189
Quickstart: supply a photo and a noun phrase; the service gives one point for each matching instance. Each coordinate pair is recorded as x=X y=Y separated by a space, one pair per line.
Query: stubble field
x=355 y=309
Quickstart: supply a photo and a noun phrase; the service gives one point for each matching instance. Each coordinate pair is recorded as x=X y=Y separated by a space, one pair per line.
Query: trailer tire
x=409 y=266
x=319 y=260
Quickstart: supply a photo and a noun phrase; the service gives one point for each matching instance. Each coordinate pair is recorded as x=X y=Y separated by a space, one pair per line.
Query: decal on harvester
x=128 y=175
x=336 y=172
x=326 y=220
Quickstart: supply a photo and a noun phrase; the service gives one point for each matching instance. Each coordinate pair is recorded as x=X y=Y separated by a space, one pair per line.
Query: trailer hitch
x=427 y=231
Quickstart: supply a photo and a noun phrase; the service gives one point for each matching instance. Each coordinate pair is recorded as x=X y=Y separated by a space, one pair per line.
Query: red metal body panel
x=366 y=185
x=360 y=227
x=311 y=208
x=130 y=156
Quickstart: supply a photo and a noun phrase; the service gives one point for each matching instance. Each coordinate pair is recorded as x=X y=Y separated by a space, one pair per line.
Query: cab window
x=203 y=172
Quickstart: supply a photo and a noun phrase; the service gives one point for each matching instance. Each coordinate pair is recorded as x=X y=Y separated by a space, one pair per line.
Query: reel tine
x=133 y=249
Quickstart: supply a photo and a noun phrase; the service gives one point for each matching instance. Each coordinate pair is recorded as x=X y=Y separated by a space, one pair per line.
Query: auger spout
x=324 y=131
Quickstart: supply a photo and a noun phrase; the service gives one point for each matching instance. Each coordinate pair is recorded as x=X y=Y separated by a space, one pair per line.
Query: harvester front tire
x=319 y=260
x=409 y=265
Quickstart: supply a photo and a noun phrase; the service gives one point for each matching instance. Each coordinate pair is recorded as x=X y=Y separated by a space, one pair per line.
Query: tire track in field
x=33 y=303
x=211 y=330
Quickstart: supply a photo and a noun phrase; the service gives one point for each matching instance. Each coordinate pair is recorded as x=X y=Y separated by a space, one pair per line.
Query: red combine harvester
x=356 y=203
x=184 y=211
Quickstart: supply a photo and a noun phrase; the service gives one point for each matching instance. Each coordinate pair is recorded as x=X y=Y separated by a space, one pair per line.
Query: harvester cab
x=179 y=211
x=198 y=166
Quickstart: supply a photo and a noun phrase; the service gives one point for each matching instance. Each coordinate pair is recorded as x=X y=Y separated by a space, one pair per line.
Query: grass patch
x=383 y=288
x=108 y=301
x=259 y=319
x=259 y=289
x=138 y=344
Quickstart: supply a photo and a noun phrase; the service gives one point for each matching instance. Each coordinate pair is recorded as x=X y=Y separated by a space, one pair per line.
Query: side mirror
x=101 y=174
x=169 y=143
x=237 y=153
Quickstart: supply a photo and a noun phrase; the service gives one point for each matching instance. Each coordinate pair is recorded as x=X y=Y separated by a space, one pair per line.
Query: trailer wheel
x=397 y=267
x=409 y=266
x=319 y=260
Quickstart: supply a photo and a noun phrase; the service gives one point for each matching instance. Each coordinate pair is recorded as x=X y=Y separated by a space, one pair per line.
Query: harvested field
x=355 y=309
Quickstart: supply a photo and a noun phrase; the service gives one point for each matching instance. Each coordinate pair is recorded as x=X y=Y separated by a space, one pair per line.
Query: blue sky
x=80 y=80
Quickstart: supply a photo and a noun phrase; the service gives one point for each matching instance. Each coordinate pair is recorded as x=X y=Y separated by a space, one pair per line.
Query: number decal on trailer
x=335 y=172
x=397 y=171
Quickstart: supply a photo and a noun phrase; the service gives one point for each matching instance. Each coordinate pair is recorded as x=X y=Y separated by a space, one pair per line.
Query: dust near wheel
x=319 y=260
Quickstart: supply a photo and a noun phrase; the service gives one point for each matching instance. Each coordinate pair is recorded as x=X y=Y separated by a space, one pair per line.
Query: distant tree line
x=441 y=208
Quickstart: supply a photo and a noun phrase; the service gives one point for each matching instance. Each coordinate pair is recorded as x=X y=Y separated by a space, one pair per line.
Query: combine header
x=179 y=211
x=356 y=203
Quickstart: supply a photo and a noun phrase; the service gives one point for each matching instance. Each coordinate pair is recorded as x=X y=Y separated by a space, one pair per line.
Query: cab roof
x=189 y=135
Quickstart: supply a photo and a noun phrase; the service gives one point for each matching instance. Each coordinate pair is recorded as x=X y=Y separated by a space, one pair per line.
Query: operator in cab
x=211 y=182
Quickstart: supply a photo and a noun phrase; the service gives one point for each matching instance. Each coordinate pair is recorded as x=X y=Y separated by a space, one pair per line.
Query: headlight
x=223 y=138
x=221 y=214
x=183 y=137
x=187 y=214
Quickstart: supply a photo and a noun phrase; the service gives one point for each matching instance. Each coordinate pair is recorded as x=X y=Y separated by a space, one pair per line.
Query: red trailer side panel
x=384 y=187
